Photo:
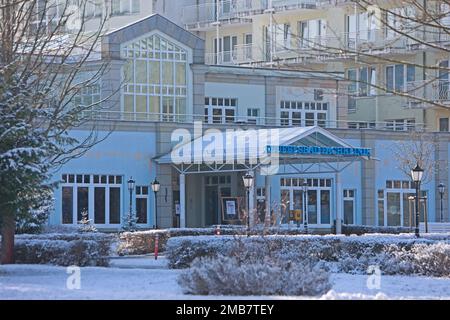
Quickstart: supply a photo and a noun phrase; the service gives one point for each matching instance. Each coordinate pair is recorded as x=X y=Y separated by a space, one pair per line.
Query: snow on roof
x=250 y=145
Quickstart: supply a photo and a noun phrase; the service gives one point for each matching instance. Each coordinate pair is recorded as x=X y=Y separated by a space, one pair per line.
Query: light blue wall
x=123 y=153
x=388 y=169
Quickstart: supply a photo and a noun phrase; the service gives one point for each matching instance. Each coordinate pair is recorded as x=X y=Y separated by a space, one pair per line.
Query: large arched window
x=155 y=80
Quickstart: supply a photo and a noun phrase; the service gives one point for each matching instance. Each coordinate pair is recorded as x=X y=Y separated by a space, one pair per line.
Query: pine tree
x=85 y=224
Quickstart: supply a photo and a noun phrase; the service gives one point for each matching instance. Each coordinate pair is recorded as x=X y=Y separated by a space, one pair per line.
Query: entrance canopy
x=279 y=151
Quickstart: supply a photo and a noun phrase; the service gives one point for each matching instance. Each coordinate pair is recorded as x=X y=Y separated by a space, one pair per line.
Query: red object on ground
x=156 y=246
x=217 y=231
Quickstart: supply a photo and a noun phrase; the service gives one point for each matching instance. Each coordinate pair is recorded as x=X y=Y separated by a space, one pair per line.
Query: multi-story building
x=381 y=50
x=163 y=98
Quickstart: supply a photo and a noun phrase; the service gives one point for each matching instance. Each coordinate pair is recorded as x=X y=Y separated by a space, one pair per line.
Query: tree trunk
x=8 y=231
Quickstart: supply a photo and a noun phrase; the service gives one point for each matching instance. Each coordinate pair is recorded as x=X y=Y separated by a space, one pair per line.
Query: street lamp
x=155 y=187
x=441 y=188
x=305 y=207
x=248 y=183
x=131 y=185
x=417 y=175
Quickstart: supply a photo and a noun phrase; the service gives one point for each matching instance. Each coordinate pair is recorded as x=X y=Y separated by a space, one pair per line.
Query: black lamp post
x=441 y=188
x=131 y=185
x=305 y=207
x=417 y=175
x=248 y=183
x=155 y=187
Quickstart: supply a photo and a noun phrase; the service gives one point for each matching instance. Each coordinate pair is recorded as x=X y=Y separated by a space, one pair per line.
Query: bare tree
x=418 y=26
x=50 y=65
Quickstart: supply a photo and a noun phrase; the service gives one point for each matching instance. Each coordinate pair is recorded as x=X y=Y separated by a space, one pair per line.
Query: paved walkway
x=139 y=262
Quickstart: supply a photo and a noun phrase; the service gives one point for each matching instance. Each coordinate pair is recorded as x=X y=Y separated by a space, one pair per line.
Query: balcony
x=433 y=91
x=241 y=55
x=203 y=16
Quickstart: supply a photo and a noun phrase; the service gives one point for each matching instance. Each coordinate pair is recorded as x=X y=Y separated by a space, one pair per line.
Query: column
x=251 y=201
x=182 y=200
x=267 y=219
x=338 y=197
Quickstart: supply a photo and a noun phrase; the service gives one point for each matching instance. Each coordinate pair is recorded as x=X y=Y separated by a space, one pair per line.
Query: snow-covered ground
x=145 y=278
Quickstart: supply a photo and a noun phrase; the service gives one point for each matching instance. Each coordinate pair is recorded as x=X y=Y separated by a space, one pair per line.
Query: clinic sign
x=322 y=151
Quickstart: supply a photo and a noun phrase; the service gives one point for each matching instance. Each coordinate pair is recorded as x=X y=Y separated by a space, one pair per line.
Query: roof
x=112 y=40
x=252 y=146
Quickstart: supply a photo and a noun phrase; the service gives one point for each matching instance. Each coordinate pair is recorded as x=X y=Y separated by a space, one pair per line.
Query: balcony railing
x=242 y=54
x=271 y=122
x=434 y=91
x=209 y=12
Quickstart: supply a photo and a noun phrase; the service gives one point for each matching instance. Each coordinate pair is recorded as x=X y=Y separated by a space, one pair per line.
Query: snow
x=140 y=279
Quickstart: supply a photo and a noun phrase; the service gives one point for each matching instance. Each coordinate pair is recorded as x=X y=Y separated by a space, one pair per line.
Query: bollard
x=156 y=246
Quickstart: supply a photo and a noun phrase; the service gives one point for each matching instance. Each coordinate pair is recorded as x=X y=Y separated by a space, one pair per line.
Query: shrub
x=360 y=230
x=402 y=254
x=64 y=249
x=229 y=276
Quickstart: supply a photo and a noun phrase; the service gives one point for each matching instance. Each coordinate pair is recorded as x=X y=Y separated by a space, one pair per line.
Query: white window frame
x=314 y=184
x=141 y=195
x=406 y=81
x=347 y=197
x=210 y=107
x=370 y=83
x=175 y=91
x=91 y=200
x=304 y=108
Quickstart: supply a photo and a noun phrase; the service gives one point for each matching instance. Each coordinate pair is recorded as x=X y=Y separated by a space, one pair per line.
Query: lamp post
x=441 y=188
x=417 y=175
x=155 y=187
x=305 y=207
x=131 y=185
x=248 y=183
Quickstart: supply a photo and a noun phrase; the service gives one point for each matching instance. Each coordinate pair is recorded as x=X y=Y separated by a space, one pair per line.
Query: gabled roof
x=111 y=41
x=255 y=143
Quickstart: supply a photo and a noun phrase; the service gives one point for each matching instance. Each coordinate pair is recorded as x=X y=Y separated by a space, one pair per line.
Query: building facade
x=160 y=90
x=382 y=49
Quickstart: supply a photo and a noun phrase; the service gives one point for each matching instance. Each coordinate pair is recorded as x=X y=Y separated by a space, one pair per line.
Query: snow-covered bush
x=87 y=249
x=401 y=254
x=360 y=230
x=141 y=242
x=232 y=276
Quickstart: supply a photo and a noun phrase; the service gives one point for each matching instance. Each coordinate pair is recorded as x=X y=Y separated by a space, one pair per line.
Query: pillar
x=338 y=197
x=268 y=217
x=182 y=200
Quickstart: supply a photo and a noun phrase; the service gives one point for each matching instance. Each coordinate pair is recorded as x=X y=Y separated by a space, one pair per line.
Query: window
x=155 y=80
x=105 y=192
x=363 y=81
x=396 y=204
x=312 y=33
x=298 y=113
x=361 y=125
x=349 y=207
x=122 y=7
x=142 y=204
x=443 y=89
x=282 y=34
x=220 y=110
x=397 y=76
x=361 y=28
x=401 y=124
x=443 y=125
x=248 y=45
x=318 y=200
x=252 y=115
x=227 y=49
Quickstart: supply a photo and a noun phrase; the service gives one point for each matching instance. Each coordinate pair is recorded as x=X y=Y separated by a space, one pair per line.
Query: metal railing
x=230 y=121
x=428 y=90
